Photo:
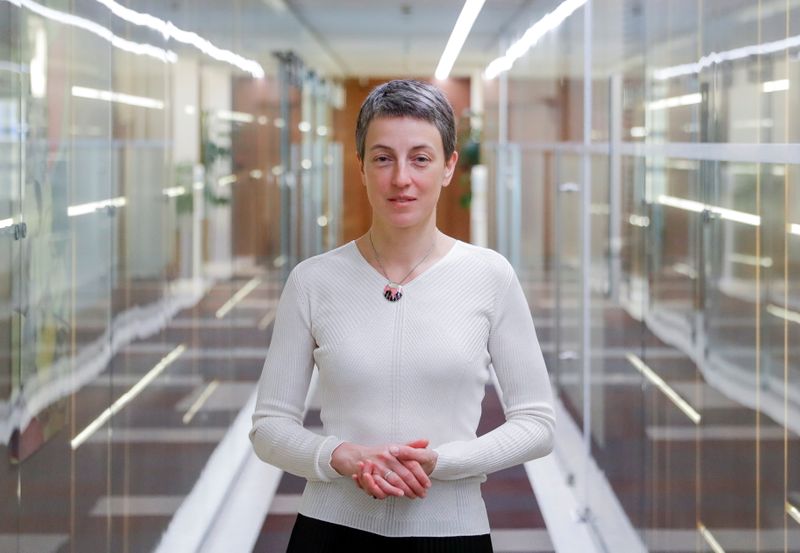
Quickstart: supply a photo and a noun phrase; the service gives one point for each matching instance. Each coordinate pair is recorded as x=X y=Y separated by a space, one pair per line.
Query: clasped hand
x=388 y=470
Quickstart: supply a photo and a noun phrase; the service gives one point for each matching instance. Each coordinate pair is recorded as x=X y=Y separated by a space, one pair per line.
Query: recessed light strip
x=169 y=30
x=532 y=36
x=127 y=397
x=664 y=387
x=88 y=25
x=91 y=207
x=238 y=296
x=460 y=32
x=118 y=97
x=775 y=86
x=714 y=58
x=699 y=207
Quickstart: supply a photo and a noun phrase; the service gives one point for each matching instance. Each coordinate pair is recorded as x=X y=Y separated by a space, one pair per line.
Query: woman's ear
x=450 y=168
x=361 y=170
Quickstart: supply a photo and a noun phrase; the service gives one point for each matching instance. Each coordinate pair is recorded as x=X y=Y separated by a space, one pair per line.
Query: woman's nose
x=402 y=174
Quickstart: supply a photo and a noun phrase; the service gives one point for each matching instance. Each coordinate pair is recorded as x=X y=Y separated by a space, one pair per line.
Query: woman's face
x=404 y=169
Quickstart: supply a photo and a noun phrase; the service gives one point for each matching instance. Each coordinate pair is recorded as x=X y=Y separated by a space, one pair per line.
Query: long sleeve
x=278 y=435
x=527 y=398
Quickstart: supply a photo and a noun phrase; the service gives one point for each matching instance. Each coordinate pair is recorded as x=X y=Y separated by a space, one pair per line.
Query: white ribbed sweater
x=400 y=371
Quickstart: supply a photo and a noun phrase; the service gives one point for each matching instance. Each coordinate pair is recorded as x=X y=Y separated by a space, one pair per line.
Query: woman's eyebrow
x=424 y=145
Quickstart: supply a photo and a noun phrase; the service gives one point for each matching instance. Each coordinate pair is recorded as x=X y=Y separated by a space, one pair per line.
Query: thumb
x=419 y=444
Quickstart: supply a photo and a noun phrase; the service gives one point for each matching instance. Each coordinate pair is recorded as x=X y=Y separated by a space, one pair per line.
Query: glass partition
x=141 y=258
x=693 y=312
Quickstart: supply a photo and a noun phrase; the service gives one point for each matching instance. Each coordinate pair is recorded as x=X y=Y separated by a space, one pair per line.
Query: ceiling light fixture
x=137 y=48
x=169 y=30
x=729 y=55
x=460 y=32
x=119 y=97
x=531 y=37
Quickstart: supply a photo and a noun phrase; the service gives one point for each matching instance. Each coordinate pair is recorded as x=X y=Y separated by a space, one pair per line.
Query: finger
x=418 y=472
x=357 y=481
x=386 y=487
x=402 y=475
x=422 y=443
x=368 y=482
x=402 y=478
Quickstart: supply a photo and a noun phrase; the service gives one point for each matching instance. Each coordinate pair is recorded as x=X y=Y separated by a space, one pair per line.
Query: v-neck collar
x=441 y=261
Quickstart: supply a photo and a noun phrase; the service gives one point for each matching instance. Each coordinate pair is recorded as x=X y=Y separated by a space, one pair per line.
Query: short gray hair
x=408 y=98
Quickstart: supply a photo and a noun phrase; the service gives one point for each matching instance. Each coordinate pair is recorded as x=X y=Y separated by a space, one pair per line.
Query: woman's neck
x=401 y=247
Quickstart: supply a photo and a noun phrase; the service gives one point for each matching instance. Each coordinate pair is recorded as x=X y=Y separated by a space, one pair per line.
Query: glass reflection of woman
x=403 y=324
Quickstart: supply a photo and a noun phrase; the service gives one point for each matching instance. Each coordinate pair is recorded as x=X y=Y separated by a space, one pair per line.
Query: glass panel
x=11 y=73
x=568 y=302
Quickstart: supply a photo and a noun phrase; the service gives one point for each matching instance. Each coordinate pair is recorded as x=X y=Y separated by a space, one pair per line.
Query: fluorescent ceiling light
x=776 y=86
x=237 y=116
x=119 y=97
x=460 y=32
x=794 y=228
x=699 y=207
x=5 y=223
x=137 y=48
x=675 y=101
x=532 y=36
x=174 y=192
x=91 y=207
x=169 y=30
x=729 y=55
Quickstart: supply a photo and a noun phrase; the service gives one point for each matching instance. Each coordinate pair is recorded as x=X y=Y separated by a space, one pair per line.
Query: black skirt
x=310 y=535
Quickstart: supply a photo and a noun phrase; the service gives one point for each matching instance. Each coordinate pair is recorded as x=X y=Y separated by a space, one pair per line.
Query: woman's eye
x=422 y=159
x=381 y=159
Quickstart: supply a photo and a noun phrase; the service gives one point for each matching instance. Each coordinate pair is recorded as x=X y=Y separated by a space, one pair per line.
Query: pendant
x=392 y=291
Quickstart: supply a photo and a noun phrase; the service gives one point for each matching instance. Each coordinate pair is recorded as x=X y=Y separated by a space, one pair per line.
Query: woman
x=403 y=324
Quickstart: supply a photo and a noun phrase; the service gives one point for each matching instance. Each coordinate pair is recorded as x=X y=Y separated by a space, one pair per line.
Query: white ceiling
x=381 y=38
x=351 y=38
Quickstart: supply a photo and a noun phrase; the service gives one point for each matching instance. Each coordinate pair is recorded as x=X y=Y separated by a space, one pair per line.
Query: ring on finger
x=386 y=475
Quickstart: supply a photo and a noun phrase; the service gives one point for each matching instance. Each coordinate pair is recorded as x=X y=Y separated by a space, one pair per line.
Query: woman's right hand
x=379 y=472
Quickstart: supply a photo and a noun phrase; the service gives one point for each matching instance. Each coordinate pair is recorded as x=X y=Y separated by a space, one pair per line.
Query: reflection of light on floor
x=664 y=387
x=793 y=511
x=792 y=316
x=187 y=418
x=127 y=397
x=713 y=543
x=238 y=296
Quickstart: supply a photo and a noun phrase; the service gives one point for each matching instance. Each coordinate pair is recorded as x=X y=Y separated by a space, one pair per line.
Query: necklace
x=393 y=291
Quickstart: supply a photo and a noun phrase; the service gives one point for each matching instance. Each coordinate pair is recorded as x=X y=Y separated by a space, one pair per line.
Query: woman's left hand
x=413 y=456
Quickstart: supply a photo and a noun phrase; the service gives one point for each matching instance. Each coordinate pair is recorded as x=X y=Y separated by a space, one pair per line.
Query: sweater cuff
x=325 y=471
x=445 y=467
